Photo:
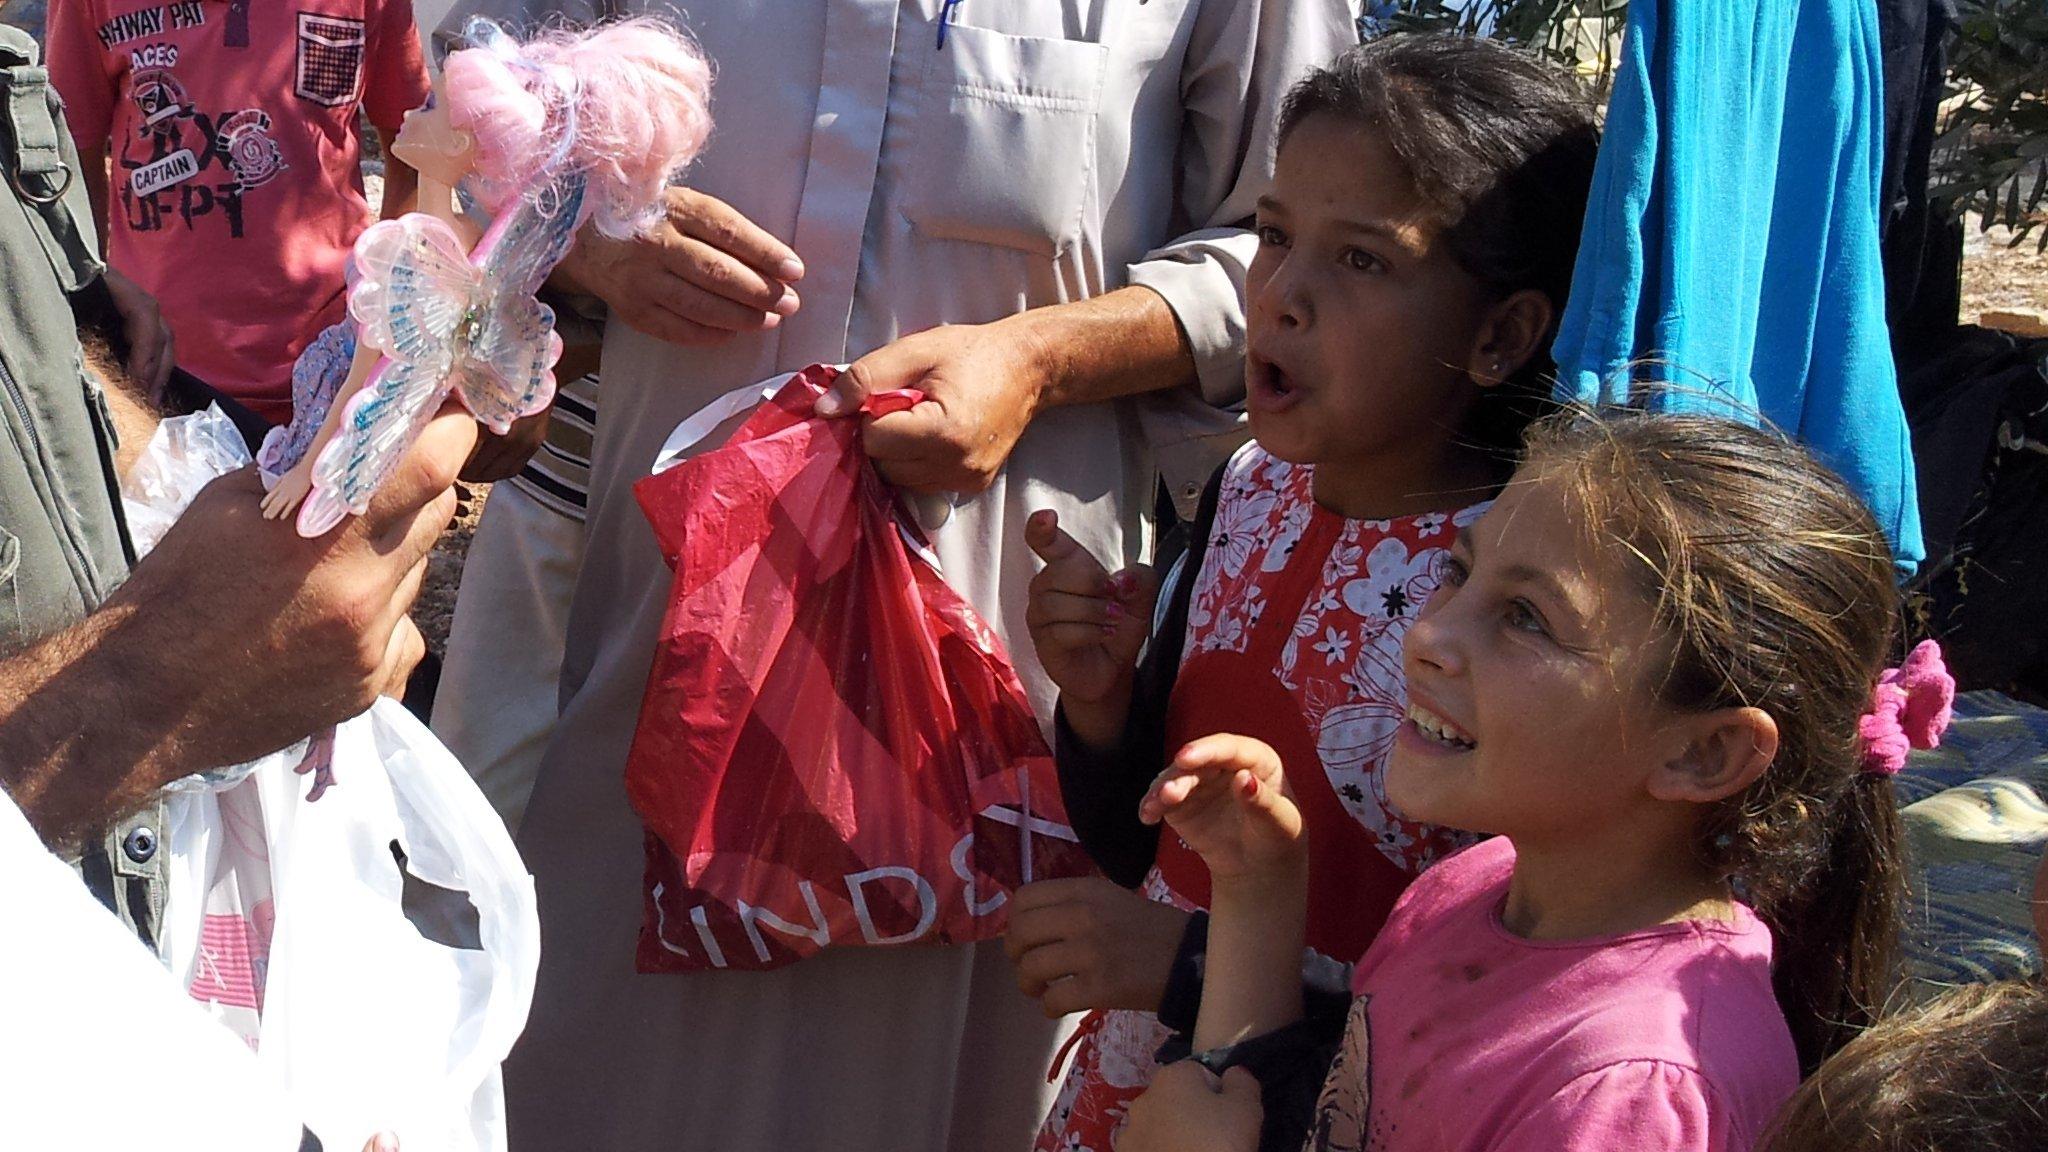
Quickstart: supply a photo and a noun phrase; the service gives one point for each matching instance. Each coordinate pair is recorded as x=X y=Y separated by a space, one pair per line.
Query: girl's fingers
x=1038 y=926
x=1038 y=968
x=1240 y=1083
x=1136 y=587
x=1211 y=752
x=1248 y=768
x=1175 y=791
x=1049 y=607
x=1066 y=638
x=1042 y=533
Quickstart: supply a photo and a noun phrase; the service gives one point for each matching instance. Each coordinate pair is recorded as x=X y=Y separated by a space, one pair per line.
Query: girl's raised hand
x=1227 y=797
x=1087 y=624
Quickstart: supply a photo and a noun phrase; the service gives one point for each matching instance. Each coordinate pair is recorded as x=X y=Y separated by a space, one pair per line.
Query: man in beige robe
x=1067 y=184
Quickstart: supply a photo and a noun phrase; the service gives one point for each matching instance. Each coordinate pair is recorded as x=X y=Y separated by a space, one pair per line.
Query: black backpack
x=1978 y=407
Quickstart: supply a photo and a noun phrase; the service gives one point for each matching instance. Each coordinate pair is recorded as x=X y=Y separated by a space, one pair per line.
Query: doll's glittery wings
x=445 y=320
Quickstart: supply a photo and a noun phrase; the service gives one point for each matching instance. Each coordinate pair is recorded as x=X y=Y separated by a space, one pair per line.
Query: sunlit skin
x=1368 y=345
x=1534 y=673
x=1533 y=676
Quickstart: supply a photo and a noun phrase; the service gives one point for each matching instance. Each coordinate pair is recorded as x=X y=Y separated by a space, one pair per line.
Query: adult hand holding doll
x=253 y=638
x=545 y=135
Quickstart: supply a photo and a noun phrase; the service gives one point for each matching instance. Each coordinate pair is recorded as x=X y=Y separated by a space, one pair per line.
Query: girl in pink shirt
x=1649 y=674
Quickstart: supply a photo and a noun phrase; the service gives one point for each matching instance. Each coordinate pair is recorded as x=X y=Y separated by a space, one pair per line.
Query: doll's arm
x=292 y=487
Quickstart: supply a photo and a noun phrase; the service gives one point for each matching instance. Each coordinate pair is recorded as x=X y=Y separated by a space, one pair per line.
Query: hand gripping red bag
x=833 y=748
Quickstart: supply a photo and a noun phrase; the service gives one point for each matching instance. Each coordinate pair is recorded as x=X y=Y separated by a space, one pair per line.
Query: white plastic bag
x=367 y=1026
x=85 y=989
x=184 y=455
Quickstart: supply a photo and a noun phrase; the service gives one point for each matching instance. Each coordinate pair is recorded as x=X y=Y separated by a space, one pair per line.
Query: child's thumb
x=1239 y=1083
x=1045 y=537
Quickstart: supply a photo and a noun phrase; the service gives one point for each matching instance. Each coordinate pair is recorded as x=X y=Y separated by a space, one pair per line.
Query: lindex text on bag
x=833 y=748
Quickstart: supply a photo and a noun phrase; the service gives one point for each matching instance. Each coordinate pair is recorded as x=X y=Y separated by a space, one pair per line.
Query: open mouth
x=1268 y=385
x=1438 y=730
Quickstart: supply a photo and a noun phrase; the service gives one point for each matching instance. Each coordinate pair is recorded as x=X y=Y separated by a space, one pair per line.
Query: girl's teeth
x=1436 y=730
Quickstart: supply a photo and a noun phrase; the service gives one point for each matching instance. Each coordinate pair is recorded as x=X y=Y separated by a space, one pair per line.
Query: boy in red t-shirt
x=236 y=189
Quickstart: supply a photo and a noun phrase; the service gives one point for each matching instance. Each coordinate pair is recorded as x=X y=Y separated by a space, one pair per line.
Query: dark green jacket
x=63 y=547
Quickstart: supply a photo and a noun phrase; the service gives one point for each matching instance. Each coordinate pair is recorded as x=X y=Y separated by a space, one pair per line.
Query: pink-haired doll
x=567 y=127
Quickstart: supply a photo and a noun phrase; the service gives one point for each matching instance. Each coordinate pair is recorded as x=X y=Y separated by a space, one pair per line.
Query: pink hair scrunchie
x=1909 y=708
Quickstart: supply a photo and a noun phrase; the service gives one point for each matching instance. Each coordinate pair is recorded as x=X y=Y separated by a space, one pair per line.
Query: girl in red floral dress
x=1413 y=254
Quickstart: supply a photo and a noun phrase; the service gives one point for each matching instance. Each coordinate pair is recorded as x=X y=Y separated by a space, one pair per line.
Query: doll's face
x=429 y=142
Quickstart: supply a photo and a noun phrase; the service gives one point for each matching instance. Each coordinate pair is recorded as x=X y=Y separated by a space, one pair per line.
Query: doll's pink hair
x=495 y=103
x=633 y=99
x=642 y=113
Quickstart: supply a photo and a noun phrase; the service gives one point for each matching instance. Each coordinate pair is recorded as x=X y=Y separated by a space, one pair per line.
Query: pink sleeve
x=1648 y=1105
x=78 y=69
x=395 y=79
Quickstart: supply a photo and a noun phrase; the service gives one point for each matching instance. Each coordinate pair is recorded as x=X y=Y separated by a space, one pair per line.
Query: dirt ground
x=1995 y=276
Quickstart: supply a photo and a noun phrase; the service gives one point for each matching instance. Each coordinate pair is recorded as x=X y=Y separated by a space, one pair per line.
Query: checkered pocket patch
x=330 y=67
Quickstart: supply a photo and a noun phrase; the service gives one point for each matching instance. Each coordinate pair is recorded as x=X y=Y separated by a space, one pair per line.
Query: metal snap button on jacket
x=140 y=844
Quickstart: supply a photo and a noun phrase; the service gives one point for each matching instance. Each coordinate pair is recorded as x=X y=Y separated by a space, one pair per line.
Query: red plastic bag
x=833 y=748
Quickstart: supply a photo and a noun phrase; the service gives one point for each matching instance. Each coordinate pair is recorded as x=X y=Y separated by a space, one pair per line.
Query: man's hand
x=407 y=648
x=287 y=635
x=501 y=457
x=234 y=638
x=705 y=274
x=982 y=383
x=1189 y=1109
x=1087 y=943
x=150 y=357
x=986 y=382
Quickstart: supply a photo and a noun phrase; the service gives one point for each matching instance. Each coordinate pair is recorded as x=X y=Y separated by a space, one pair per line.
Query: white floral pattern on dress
x=1256 y=529
x=1340 y=661
x=1375 y=579
x=1397 y=581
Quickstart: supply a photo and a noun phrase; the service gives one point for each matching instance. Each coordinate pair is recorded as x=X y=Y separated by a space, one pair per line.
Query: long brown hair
x=1775 y=584
x=1967 y=1070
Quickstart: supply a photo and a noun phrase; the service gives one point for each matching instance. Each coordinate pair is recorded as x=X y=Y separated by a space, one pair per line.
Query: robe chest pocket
x=1003 y=151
